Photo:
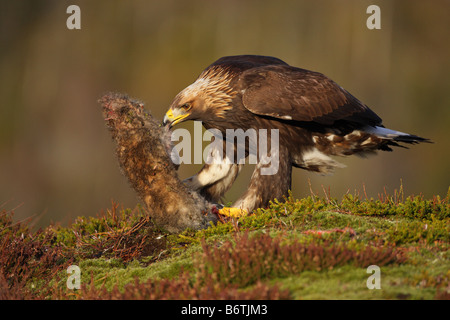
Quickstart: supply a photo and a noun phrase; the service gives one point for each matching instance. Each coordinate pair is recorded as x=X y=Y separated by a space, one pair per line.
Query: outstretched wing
x=290 y=93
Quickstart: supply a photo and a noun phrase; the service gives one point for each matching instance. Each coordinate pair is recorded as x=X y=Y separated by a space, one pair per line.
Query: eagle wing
x=290 y=93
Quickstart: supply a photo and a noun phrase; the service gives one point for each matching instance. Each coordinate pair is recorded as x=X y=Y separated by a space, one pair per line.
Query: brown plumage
x=316 y=118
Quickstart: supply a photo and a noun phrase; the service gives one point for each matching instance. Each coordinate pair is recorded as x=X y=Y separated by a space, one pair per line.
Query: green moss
x=351 y=283
x=416 y=230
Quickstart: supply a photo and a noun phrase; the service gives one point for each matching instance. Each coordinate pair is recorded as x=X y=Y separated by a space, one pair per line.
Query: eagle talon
x=232 y=212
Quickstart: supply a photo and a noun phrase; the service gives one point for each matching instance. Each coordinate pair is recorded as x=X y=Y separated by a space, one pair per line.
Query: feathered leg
x=270 y=180
x=216 y=177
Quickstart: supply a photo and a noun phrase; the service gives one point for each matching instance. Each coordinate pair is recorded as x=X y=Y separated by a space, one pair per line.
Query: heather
x=318 y=247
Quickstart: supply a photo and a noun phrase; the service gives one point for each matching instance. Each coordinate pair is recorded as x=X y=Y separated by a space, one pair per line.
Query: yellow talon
x=233 y=212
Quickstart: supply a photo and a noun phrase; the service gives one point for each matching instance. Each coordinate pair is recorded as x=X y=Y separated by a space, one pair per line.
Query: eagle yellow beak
x=173 y=118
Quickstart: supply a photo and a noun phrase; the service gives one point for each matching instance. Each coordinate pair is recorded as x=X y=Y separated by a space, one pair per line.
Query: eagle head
x=185 y=106
x=207 y=99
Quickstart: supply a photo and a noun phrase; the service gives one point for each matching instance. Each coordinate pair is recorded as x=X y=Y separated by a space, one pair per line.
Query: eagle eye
x=186 y=106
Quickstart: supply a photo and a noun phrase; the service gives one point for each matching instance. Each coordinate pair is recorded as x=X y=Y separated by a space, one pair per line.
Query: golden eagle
x=315 y=118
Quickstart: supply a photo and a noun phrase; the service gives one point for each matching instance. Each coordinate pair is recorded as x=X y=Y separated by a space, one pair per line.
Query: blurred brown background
x=57 y=159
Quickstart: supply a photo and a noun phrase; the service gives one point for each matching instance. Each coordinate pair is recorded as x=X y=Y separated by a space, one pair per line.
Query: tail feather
x=364 y=141
x=393 y=137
